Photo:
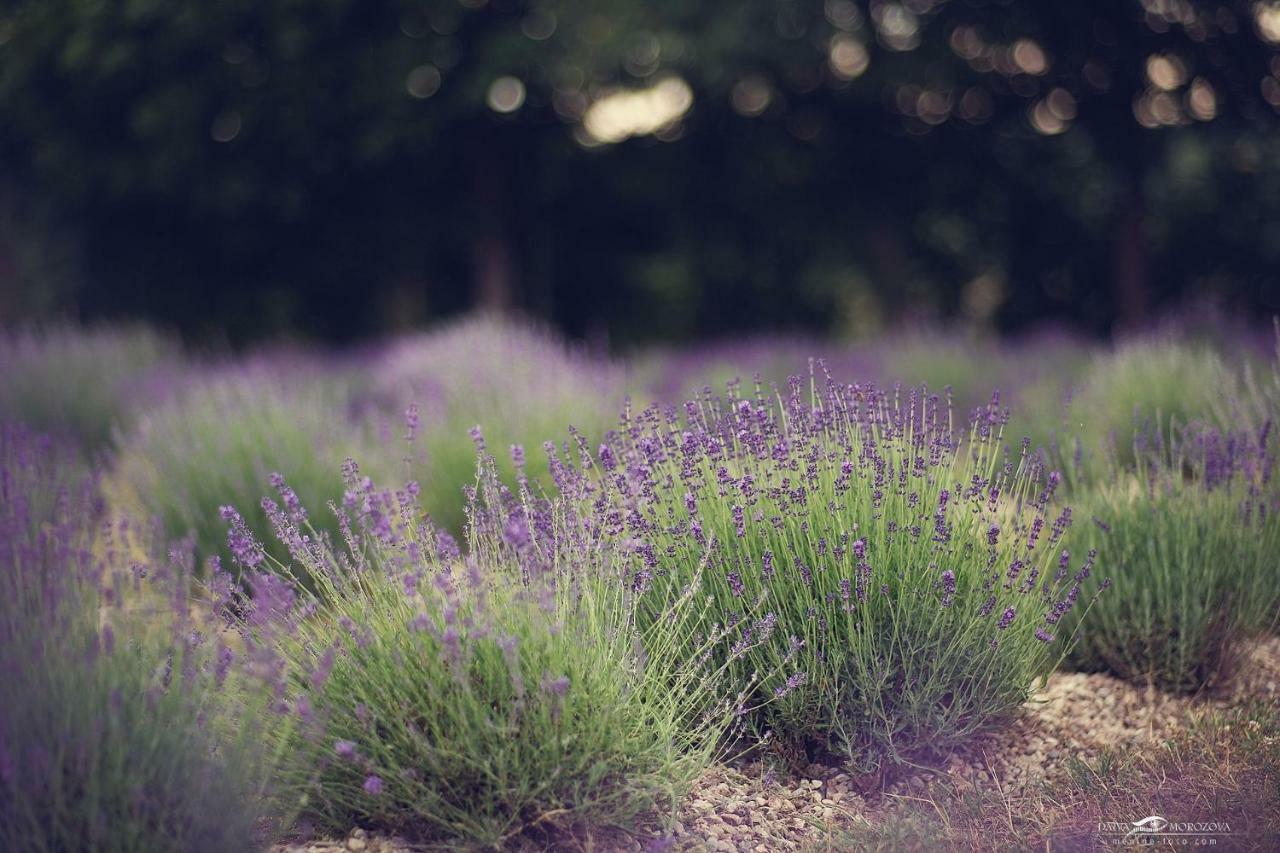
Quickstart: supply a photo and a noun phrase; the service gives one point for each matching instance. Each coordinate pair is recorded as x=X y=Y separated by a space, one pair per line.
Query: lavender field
x=481 y=588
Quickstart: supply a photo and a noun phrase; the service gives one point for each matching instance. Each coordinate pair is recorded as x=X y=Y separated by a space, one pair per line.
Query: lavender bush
x=672 y=375
x=81 y=383
x=1193 y=537
x=219 y=441
x=919 y=578
x=111 y=737
x=481 y=702
x=1258 y=401
x=972 y=366
x=1032 y=371
x=517 y=381
x=1143 y=388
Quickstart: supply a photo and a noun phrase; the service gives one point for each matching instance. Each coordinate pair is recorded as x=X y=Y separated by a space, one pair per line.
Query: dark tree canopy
x=653 y=169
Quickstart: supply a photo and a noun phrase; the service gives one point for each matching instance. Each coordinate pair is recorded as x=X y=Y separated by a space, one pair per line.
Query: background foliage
x=340 y=168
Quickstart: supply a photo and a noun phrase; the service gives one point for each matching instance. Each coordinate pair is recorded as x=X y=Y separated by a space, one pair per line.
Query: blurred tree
x=656 y=169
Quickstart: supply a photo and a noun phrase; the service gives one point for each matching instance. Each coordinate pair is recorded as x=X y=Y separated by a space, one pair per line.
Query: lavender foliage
x=473 y=700
x=864 y=521
x=108 y=738
x=1193 y=535
x=520 y=382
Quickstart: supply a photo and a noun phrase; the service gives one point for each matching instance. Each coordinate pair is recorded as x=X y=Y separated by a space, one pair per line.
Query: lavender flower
x=948 y=587
x=791 y=684
x=557 y=686
x=1037 y=525
x=323 y=667
x=247 y=551
x=223 y=666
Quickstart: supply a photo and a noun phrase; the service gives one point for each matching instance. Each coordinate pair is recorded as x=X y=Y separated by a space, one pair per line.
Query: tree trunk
x=1130 y=268
x=494 y=267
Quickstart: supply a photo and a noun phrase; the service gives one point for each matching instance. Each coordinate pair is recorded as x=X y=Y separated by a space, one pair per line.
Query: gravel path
x=750 y=808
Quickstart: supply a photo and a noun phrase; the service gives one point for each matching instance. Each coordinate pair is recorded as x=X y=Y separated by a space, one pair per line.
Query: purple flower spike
x=345 y=749
x=792 y=683
x=557 y=687
x=1006 y=618
x=948 y=587
x=373 y=785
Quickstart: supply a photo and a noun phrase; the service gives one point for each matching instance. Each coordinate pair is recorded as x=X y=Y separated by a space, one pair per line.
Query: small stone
x=355 y=843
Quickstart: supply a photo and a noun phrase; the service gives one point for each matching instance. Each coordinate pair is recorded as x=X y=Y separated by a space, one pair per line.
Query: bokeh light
x=848 y=57
x=423 y=81
x=621 y=114
x=226 y=126
x=506 y=95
